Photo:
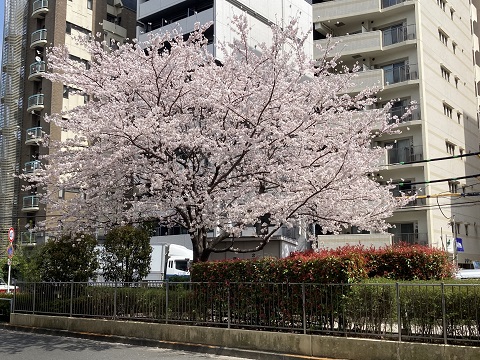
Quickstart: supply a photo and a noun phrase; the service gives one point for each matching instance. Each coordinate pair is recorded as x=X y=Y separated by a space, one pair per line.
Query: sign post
x=11 y=237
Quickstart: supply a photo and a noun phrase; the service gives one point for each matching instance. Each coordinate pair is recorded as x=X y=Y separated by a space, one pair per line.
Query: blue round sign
x=10 y=251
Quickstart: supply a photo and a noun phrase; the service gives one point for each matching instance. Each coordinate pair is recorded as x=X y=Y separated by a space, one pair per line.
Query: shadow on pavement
x=13 y=342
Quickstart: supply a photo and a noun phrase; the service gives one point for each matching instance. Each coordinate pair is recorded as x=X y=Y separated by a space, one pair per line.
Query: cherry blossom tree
x=258 y=135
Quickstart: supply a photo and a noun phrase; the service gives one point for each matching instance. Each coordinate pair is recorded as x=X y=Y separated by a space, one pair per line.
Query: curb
x=198 y=348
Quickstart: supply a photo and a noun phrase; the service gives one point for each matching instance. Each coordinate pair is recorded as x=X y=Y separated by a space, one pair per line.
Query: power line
x=420 y=207
x=434 y=159
x=439 y=180
x=447 y=195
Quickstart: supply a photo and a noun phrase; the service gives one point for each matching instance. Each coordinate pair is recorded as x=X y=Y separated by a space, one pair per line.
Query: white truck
x=169 y=259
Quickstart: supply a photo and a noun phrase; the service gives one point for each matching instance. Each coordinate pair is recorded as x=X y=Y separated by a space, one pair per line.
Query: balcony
x=399 y=111
x=405 y=154
x=411 y=238
x=408 y=190
x=398 y=35
x=398 y=74
x=351 y=44
x=185 y=23
x=31 y=238
x=34 y=136
x=344 y=9
x=39 y=8
x=366 y=43
x=37 y=69
x=31 y=166
x=114 y=28
x=35 y=103
x=364 y=79
x=31 y=203
x=388 y=3
x=39 y=38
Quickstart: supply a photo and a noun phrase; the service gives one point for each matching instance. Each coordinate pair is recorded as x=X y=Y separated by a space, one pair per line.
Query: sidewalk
x=206 y=349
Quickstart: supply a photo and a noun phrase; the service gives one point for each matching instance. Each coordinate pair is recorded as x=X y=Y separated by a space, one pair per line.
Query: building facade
x=157 y=16
x=30 y=27
x=425 y=52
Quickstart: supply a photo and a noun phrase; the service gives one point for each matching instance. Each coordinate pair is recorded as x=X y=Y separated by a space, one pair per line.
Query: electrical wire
x=432 y=160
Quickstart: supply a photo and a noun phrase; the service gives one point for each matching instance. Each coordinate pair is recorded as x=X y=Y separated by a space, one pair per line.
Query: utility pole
x=455 y=259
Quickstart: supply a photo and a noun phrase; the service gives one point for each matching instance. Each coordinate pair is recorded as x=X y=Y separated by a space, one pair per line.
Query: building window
x=459 y=117
x=68 y=29
x=443 y=37
x=456 y=81
x=466 y=229
x=447 y=110
x=66 y=91
x=450 y=147
x=442 y=4
x=454 y=47
x=458 y=228
x=451 y=13
x=89 y=4
x=445 y=73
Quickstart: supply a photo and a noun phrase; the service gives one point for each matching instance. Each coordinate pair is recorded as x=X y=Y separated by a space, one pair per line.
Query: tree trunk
x=201 y=252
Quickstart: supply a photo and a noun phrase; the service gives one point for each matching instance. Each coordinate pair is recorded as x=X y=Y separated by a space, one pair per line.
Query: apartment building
x=156 y=16
x=30 y=27
x=427 y=52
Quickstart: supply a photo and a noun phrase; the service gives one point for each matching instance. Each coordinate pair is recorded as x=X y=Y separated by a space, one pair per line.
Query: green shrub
x=5 y=306
x=347 y=264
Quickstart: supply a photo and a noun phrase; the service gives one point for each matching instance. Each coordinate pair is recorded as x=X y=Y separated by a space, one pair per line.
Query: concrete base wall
x=295 y=344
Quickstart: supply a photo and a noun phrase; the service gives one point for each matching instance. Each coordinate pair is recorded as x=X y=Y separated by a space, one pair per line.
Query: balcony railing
x=405 y=154
x=35 y=102
x=364 y=79
x=33 y=136
x=399 y=111
x=31 y=166
x=398 y=35
x=350 y=44
x=31 y=237
x=31 y=203
x=388 y=3
x=411 y=238
x=400 y=74
x=39 y=38
x=333 y=10
x=39 y=8
x=410 y=191
x=37 y=69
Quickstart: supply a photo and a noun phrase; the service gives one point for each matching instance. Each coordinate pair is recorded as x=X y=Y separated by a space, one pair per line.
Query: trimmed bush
x=320 y=268
x=347 y=264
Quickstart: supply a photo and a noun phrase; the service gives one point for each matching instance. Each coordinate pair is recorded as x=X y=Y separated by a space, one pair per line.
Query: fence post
x=399 y=312
x=166 y=301
x=71 y=298
x=444 y=315
x=228 y=306
x=304 y=310
x=12 y=303
x=115 y=301
x=34 y=294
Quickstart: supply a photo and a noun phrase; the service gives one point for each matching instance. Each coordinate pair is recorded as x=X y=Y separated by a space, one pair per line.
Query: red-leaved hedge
x=343 y=265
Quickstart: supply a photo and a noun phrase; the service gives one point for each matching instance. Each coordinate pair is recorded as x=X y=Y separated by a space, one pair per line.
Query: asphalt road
x=17 y=345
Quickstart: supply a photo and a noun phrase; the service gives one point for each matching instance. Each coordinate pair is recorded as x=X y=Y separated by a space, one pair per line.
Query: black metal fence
x=436 y=313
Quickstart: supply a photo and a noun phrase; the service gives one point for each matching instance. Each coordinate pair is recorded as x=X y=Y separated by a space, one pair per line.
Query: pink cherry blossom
x=172 y=134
